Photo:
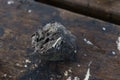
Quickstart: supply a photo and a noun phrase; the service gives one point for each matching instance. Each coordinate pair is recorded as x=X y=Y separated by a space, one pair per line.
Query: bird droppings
x=70 y=70
x=85 y=55
x=29 y=11
x=113 y=52
x=18 y=65
x=88 y=42
x=75 y=51
x=10 y=2
x=90 y=63
x=118 y=43
x=25 y=66
x=27 y=61
x=66 y=73
x=76 y=78
x=103 y=28
x=78 y=65
x=87 y=74
x=5 y=75
x=69 y=78
x=51 y=78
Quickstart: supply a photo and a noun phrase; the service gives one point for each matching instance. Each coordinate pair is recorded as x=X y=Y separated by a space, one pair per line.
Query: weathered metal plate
x=21 y=18
x=107 y=10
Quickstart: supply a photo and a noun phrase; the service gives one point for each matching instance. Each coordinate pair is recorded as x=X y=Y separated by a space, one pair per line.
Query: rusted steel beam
x=96 y=40
x=107 y=10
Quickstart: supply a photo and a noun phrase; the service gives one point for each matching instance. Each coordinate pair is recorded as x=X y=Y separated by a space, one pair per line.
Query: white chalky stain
x=118 y=43
x=87 y=41
x=29 y=11
x=27 y=61
x=113 y=52
x=78 y=65
x=85 y=55
x=66 y=73
x=10 y=2
x=87 y=74
x=70 y=70
x=69 y=78
x=5 y=75
x=103 y=28
x=25 y=66
x=76 y=78
x=75 y=51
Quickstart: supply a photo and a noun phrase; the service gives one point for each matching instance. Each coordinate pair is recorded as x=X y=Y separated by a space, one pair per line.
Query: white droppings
x=85 y=55
x=75 y=51
x=29 y=11
x=10 y=2
x=87 y=74
x=10 y=76
x=76 y=78
x=66 y=73
x=113 y=52
x=78 y=65
x=69 y=78
x=118 y=43
x=25 y=66
x=51 y=78
x=70 y=70
x=27 y=61
x=17 y=64
x=5 y=75
x=103 y=28
x=22 y=71
x=88 y=42
x=90 y=63
x=56 y=42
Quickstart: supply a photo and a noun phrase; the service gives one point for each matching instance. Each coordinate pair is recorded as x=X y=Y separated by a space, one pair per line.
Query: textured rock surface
x=20 y=20
x=54 y=43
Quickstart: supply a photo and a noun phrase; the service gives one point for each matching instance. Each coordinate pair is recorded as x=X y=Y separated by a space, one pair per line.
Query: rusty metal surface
x=19 y=20
x=107 y=10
